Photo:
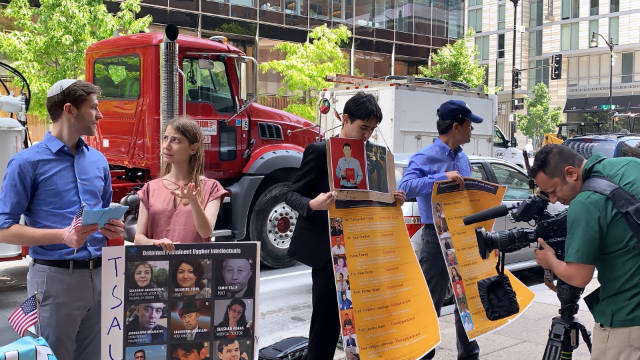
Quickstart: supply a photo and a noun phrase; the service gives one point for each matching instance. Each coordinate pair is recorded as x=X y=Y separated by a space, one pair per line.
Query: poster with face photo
x=184 y=304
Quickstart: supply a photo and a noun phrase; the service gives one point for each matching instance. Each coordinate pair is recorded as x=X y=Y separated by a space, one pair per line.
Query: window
x=382 y=11
x=118 y=77
x=516 y=182
x=594 y=8
x=207 y=82
x=535 y=43
x=475 y=2
x=482 y=46
x=570 y=9
x=535 y=13
x=569 y=36
x=477 y=172
x=501 y=46
x=501 y=16
x=614 y=6
x=627 y=67
x=500 y=75
x=475 y=20
x=613 y=29
x=539 y=72
x=593 y=28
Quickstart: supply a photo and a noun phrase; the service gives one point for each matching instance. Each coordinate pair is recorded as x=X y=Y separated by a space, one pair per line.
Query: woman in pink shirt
x=181 y=206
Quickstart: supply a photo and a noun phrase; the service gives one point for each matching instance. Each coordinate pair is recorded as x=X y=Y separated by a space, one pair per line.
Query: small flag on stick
x=25 y=316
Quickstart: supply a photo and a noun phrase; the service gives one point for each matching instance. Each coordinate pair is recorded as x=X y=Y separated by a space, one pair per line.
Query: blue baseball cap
x=457 y=110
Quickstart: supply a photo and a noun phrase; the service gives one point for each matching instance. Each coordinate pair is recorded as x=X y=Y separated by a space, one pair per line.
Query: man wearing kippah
x=442 y=160
x=48 y=183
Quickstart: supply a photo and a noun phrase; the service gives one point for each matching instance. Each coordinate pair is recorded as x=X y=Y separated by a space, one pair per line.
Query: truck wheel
x=272 y=223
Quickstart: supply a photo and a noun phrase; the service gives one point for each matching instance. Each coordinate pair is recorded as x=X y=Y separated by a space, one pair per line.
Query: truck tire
x=272 y=223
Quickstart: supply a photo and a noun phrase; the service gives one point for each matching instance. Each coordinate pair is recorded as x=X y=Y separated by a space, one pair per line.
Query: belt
x=75 y=264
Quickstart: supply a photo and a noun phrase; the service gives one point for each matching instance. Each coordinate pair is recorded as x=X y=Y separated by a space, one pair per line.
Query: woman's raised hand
x=187 y=192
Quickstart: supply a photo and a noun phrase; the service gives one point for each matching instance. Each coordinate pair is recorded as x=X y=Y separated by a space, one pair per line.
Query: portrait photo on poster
x=233 y=349
x=191 y=277
x=146 y=323
x=147 y=280
x=348 y=164
x=235 y=278
x=148 y=352
x=190 y=320
x=377 y=167
x=233 y=318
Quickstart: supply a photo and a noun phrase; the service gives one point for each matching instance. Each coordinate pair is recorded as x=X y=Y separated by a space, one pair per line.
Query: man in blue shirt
x=48 y=183
x=442 y=160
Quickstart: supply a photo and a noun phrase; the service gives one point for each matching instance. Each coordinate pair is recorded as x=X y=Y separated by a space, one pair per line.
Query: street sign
x=606 y=107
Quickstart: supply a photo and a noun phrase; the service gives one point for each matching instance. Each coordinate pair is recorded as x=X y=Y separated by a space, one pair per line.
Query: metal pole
x=513 y=66
x=611 y=86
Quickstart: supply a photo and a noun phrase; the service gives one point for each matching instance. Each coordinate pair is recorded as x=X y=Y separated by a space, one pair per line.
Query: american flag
x=25 y=316
x=77 y=220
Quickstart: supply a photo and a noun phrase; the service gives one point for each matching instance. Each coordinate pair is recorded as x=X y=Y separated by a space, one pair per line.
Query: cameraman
x=597 y=237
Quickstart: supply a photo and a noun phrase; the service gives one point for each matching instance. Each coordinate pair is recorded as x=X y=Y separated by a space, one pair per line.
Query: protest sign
x=450 y=205
x=198 y=299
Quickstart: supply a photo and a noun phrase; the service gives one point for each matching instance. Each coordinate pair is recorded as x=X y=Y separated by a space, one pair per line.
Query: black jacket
x=310 y=243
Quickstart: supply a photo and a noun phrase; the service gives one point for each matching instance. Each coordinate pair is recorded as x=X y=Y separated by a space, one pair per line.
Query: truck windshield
x=118 y=77
x=210 y=85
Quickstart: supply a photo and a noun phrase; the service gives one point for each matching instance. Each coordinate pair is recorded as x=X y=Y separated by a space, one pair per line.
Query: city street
x=285 y=310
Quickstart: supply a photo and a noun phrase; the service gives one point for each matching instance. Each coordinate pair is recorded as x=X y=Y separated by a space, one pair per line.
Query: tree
x=456 y=62
x=306 y=65
x=540 y=117
x=50 y=41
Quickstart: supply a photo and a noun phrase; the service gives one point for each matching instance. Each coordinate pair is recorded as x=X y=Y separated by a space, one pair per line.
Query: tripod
x=563 y=334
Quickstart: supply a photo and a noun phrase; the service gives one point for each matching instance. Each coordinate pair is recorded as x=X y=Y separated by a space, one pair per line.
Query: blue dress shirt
x=48 y=184
x=428 y=166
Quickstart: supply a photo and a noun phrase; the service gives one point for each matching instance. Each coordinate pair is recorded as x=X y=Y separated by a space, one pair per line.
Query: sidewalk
x=523 y=339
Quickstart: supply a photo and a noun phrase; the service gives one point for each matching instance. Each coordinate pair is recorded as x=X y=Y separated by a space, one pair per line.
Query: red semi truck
x=253 y=150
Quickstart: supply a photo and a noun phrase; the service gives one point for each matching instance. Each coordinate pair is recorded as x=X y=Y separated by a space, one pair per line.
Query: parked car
x=489 y=169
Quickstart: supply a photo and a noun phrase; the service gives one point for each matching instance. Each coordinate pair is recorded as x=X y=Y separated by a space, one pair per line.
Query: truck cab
x=147 y=79
x=505 y=149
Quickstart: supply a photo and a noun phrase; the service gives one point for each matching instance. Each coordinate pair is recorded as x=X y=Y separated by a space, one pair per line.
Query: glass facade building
x=389 y=36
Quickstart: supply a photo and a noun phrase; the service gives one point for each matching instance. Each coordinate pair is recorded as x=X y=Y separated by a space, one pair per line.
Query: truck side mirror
x=514 y=142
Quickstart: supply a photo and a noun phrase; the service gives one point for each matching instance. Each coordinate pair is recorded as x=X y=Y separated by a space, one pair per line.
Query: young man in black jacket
x=311 y=198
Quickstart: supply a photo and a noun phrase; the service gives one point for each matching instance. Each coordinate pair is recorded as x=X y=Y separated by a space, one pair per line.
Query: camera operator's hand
x=545 y=256
x=455 y=176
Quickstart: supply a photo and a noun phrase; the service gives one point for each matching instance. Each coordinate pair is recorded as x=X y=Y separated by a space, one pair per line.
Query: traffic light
x=556 y=66
x=518 y=104
x=515 y=79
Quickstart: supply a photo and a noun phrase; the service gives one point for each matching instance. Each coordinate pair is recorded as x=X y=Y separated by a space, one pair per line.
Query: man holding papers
x=48 y=183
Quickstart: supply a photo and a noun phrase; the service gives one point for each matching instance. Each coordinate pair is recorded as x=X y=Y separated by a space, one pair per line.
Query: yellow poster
x=386 y=310
x=450 y=205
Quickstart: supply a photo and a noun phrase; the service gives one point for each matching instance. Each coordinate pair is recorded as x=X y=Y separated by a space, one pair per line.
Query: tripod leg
x=553 y=350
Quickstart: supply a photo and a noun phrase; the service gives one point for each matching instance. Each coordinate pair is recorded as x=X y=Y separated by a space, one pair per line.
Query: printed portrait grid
x=451 y=262
x=343 y=289
x=198 y=305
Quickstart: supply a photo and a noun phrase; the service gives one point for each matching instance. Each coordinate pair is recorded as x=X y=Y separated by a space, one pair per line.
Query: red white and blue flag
x=25 y=316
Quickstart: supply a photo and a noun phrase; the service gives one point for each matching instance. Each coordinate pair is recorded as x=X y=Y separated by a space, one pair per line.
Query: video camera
x=551 y=227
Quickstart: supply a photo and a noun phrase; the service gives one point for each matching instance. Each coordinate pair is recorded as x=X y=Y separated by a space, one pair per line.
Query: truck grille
x=270 y=131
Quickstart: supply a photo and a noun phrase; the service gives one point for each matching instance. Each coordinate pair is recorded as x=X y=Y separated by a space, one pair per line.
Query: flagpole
x=38 y=312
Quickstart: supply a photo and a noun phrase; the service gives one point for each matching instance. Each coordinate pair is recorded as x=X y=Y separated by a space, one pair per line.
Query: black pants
x=437 y=276
x=325 y=318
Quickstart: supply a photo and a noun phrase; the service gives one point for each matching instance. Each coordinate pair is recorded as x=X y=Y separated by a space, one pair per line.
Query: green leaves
x=456 y=62
x=540 y=117
x=50 y=42
x=306 y=65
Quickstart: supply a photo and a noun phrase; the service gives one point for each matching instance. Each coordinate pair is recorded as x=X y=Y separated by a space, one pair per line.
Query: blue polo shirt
x=428 y=166
x=48 y=184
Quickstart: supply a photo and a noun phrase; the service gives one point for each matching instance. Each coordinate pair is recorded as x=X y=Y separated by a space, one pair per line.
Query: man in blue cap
x=442 y=160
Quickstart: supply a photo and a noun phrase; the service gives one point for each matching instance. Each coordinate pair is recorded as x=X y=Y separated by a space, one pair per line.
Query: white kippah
x=59 y=86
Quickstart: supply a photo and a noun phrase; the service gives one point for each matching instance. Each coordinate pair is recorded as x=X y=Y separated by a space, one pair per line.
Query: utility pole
x=513 y=66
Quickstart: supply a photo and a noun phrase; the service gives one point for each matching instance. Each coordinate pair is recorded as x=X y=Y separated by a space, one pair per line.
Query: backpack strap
x=624 y=201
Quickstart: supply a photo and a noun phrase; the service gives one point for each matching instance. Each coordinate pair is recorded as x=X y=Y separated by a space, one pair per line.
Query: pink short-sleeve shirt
x=166 y=220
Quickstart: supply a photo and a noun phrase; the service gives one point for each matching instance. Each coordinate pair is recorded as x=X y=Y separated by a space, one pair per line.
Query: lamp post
x=513 y=66
x=594 y=43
